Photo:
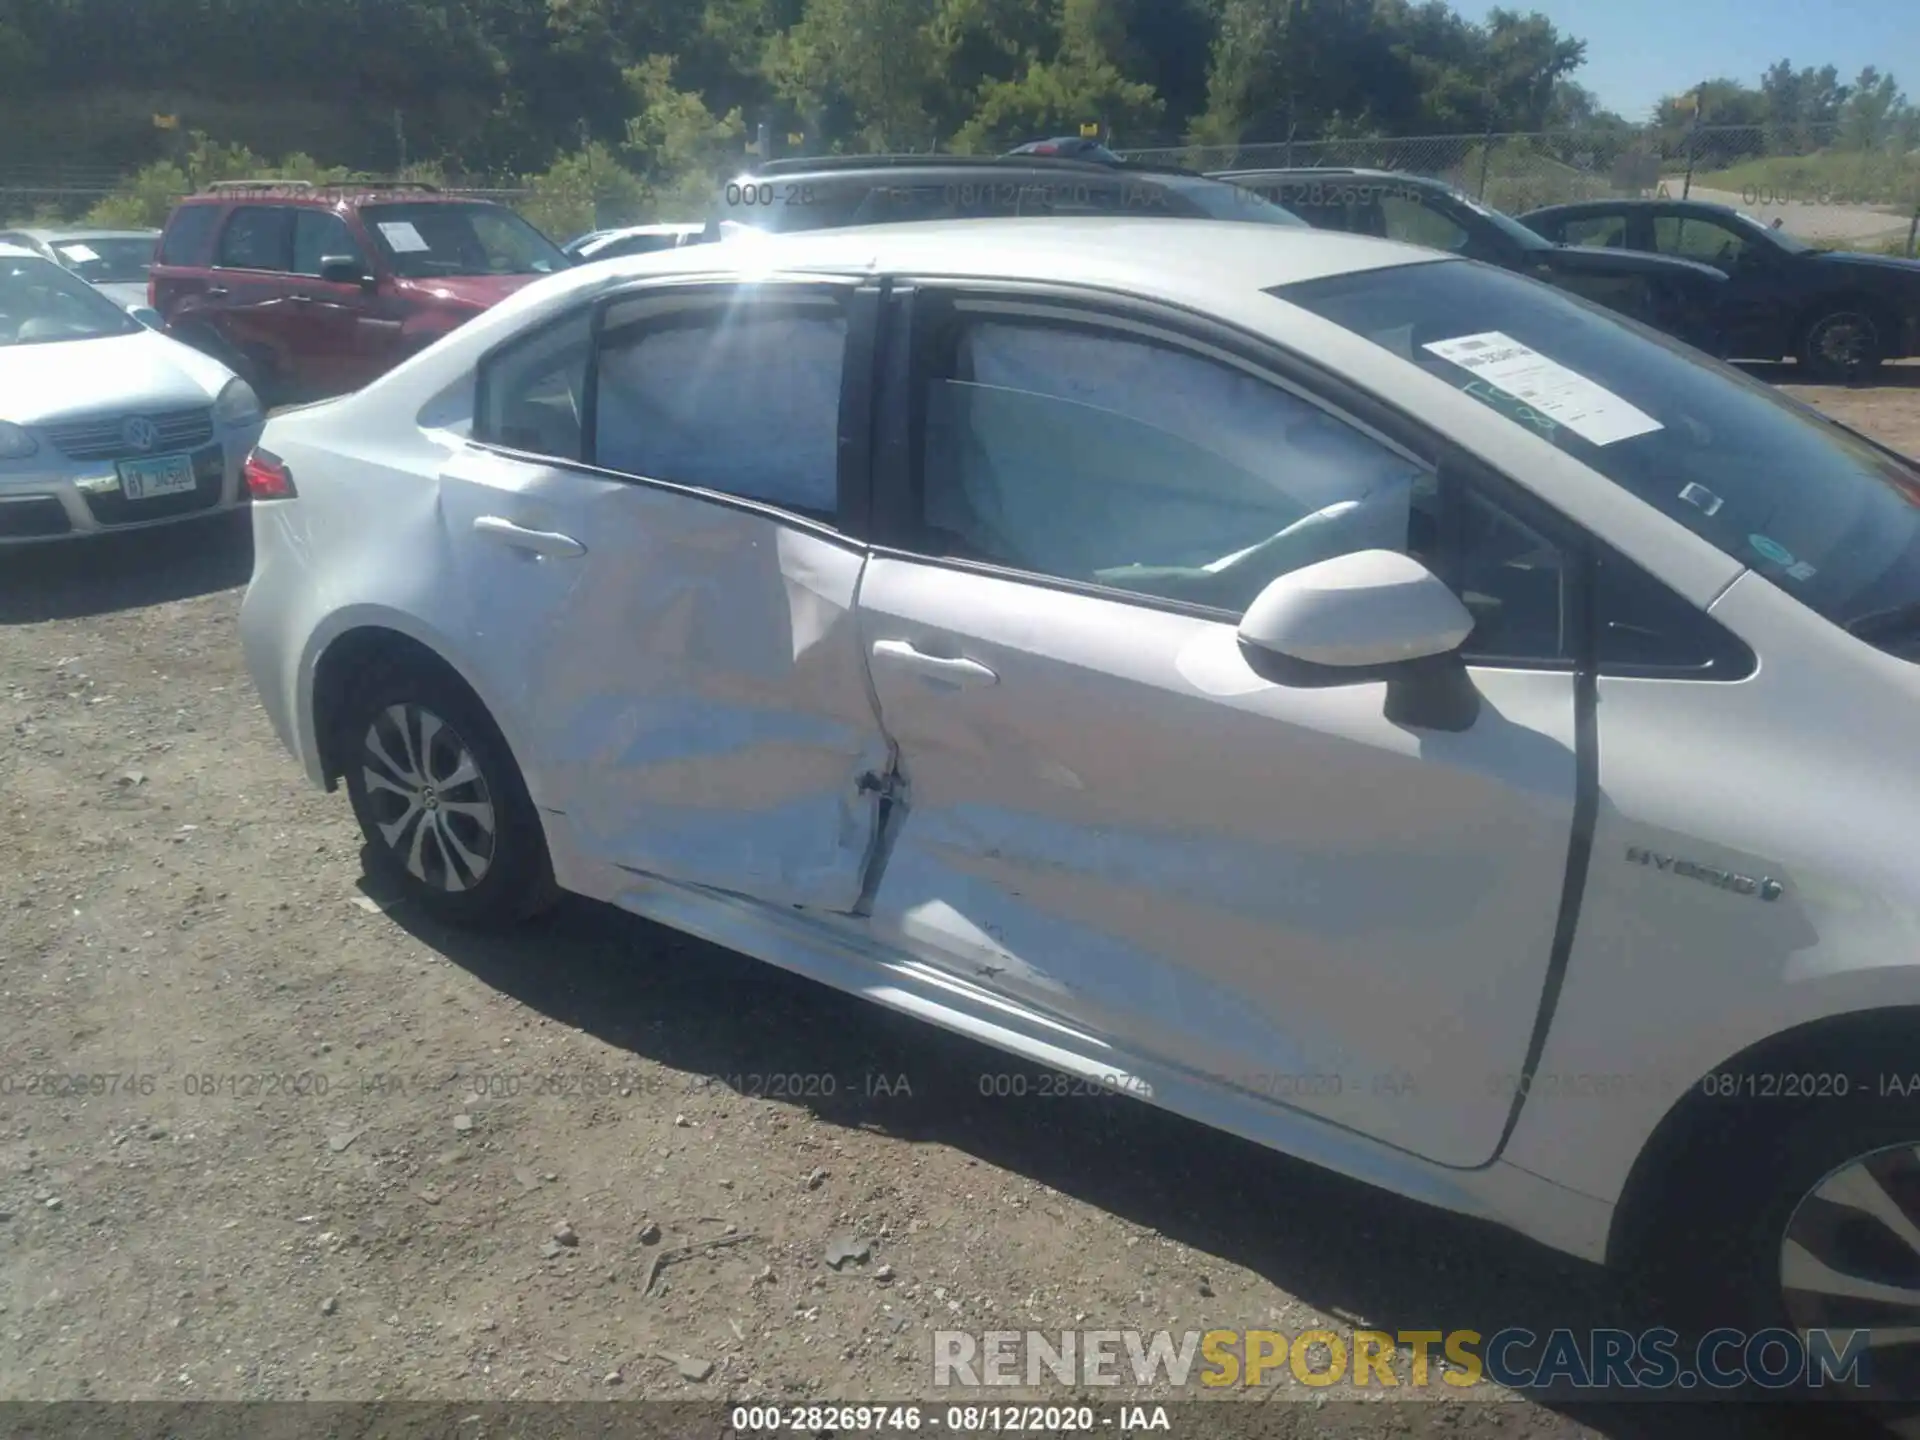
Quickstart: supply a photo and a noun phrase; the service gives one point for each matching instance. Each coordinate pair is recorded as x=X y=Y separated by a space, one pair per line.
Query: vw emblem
x=140 y=433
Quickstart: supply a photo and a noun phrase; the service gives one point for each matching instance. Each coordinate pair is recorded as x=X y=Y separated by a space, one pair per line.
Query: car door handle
x=547 y=544
x=948 y=671
x=215 y=292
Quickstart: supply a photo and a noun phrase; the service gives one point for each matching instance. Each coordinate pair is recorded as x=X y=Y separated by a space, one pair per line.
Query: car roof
x=1327 y=172
x=330 y=195
x=19 y=252
x=1221 y=262
x=853 y=165
x=1705 y=206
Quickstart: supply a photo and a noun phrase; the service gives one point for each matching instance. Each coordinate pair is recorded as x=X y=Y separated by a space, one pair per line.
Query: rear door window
x=185 y=242
x=739 y=393
x=258 y=237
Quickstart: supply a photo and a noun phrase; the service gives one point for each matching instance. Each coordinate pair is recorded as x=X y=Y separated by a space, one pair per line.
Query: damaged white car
x=1360 y=699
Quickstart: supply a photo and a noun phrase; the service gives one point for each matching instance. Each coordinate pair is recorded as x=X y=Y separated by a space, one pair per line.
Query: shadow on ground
x=1346 y=1248
x=71 y=579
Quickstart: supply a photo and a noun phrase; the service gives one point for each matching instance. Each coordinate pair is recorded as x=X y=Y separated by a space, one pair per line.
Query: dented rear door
x=672 y=616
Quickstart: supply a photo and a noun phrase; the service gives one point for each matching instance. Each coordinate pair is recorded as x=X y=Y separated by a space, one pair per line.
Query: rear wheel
x=445 y=813
x=1843 y=344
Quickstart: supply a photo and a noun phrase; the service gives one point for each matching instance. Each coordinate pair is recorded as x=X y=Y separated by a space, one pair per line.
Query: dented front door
x=684 y=661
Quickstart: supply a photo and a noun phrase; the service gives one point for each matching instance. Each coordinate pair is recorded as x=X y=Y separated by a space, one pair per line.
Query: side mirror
x=343 y=270
x=1365 y=616
x=148 y=317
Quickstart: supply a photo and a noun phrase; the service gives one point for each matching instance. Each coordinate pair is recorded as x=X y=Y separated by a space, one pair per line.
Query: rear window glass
x=185 y=242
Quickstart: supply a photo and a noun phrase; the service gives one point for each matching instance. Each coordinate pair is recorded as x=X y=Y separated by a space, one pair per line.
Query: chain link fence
x=1825 y=183
x=1820 y=181
x=57 y=195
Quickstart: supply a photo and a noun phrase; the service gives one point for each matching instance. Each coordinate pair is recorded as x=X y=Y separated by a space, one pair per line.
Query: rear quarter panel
x=362 y=546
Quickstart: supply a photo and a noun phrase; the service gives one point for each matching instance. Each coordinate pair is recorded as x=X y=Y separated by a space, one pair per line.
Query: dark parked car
x=1678 y=296
x=1839 y=314
x=833 y=191
x=313 y=290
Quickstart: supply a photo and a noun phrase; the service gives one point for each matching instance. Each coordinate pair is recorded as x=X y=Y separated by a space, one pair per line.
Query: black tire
x=1842 y=345
x=468 y=779
x=1765 y=1171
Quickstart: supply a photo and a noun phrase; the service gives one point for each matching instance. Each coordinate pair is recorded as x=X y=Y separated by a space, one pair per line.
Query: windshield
x=1792 y=244
x=1520 y=235
x=1817 y=510
x=438 y=238
x=41 y=303
x=107 y=259
x=831 y=201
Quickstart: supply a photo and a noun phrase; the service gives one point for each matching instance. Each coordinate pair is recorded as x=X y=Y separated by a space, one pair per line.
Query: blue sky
x=1639 y=50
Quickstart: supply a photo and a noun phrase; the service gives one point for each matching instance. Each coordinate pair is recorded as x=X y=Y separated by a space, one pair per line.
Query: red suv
x=314 y=290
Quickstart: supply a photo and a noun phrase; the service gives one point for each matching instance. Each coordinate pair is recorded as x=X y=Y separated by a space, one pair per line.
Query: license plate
x=161 y=475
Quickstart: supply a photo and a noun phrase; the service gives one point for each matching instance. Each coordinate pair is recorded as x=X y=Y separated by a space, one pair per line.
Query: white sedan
x=1360 y=699
x=106 y=424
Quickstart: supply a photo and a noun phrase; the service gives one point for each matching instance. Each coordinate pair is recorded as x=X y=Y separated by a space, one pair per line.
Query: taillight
x=268 y=477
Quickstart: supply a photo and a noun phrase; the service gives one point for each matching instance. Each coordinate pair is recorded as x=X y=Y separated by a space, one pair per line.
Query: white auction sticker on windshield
x=80 y=254
x=403 y=237
x=1565 y=396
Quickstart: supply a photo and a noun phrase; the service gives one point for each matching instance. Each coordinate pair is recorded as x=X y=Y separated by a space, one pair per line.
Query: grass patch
x=1826 y=177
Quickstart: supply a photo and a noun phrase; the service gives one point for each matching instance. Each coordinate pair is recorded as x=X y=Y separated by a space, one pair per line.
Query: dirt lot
x=342 y=1174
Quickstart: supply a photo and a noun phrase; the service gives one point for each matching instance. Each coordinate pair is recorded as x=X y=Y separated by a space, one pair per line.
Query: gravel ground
x=350 y=1155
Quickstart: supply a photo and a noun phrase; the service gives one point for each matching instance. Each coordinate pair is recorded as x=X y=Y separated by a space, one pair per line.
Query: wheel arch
x=1663 y=1162
x=360 y=647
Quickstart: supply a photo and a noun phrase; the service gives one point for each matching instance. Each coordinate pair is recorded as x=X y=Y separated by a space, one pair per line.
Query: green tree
x=1874 y=103
x=1084 y=83
x=865 y=68
x=585 y=190
x=681 y=148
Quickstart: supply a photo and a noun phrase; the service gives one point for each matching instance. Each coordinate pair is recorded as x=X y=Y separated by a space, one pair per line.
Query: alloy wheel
x=1850 y=1260
x=430 y=802
x=1844 y=341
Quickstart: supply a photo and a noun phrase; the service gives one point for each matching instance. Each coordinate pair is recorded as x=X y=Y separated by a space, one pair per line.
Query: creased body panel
x=693 y=684
x=1274 y=886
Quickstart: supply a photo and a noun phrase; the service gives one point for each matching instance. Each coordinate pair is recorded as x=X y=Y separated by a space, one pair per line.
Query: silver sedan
x=114 y=262
x=106 y=424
